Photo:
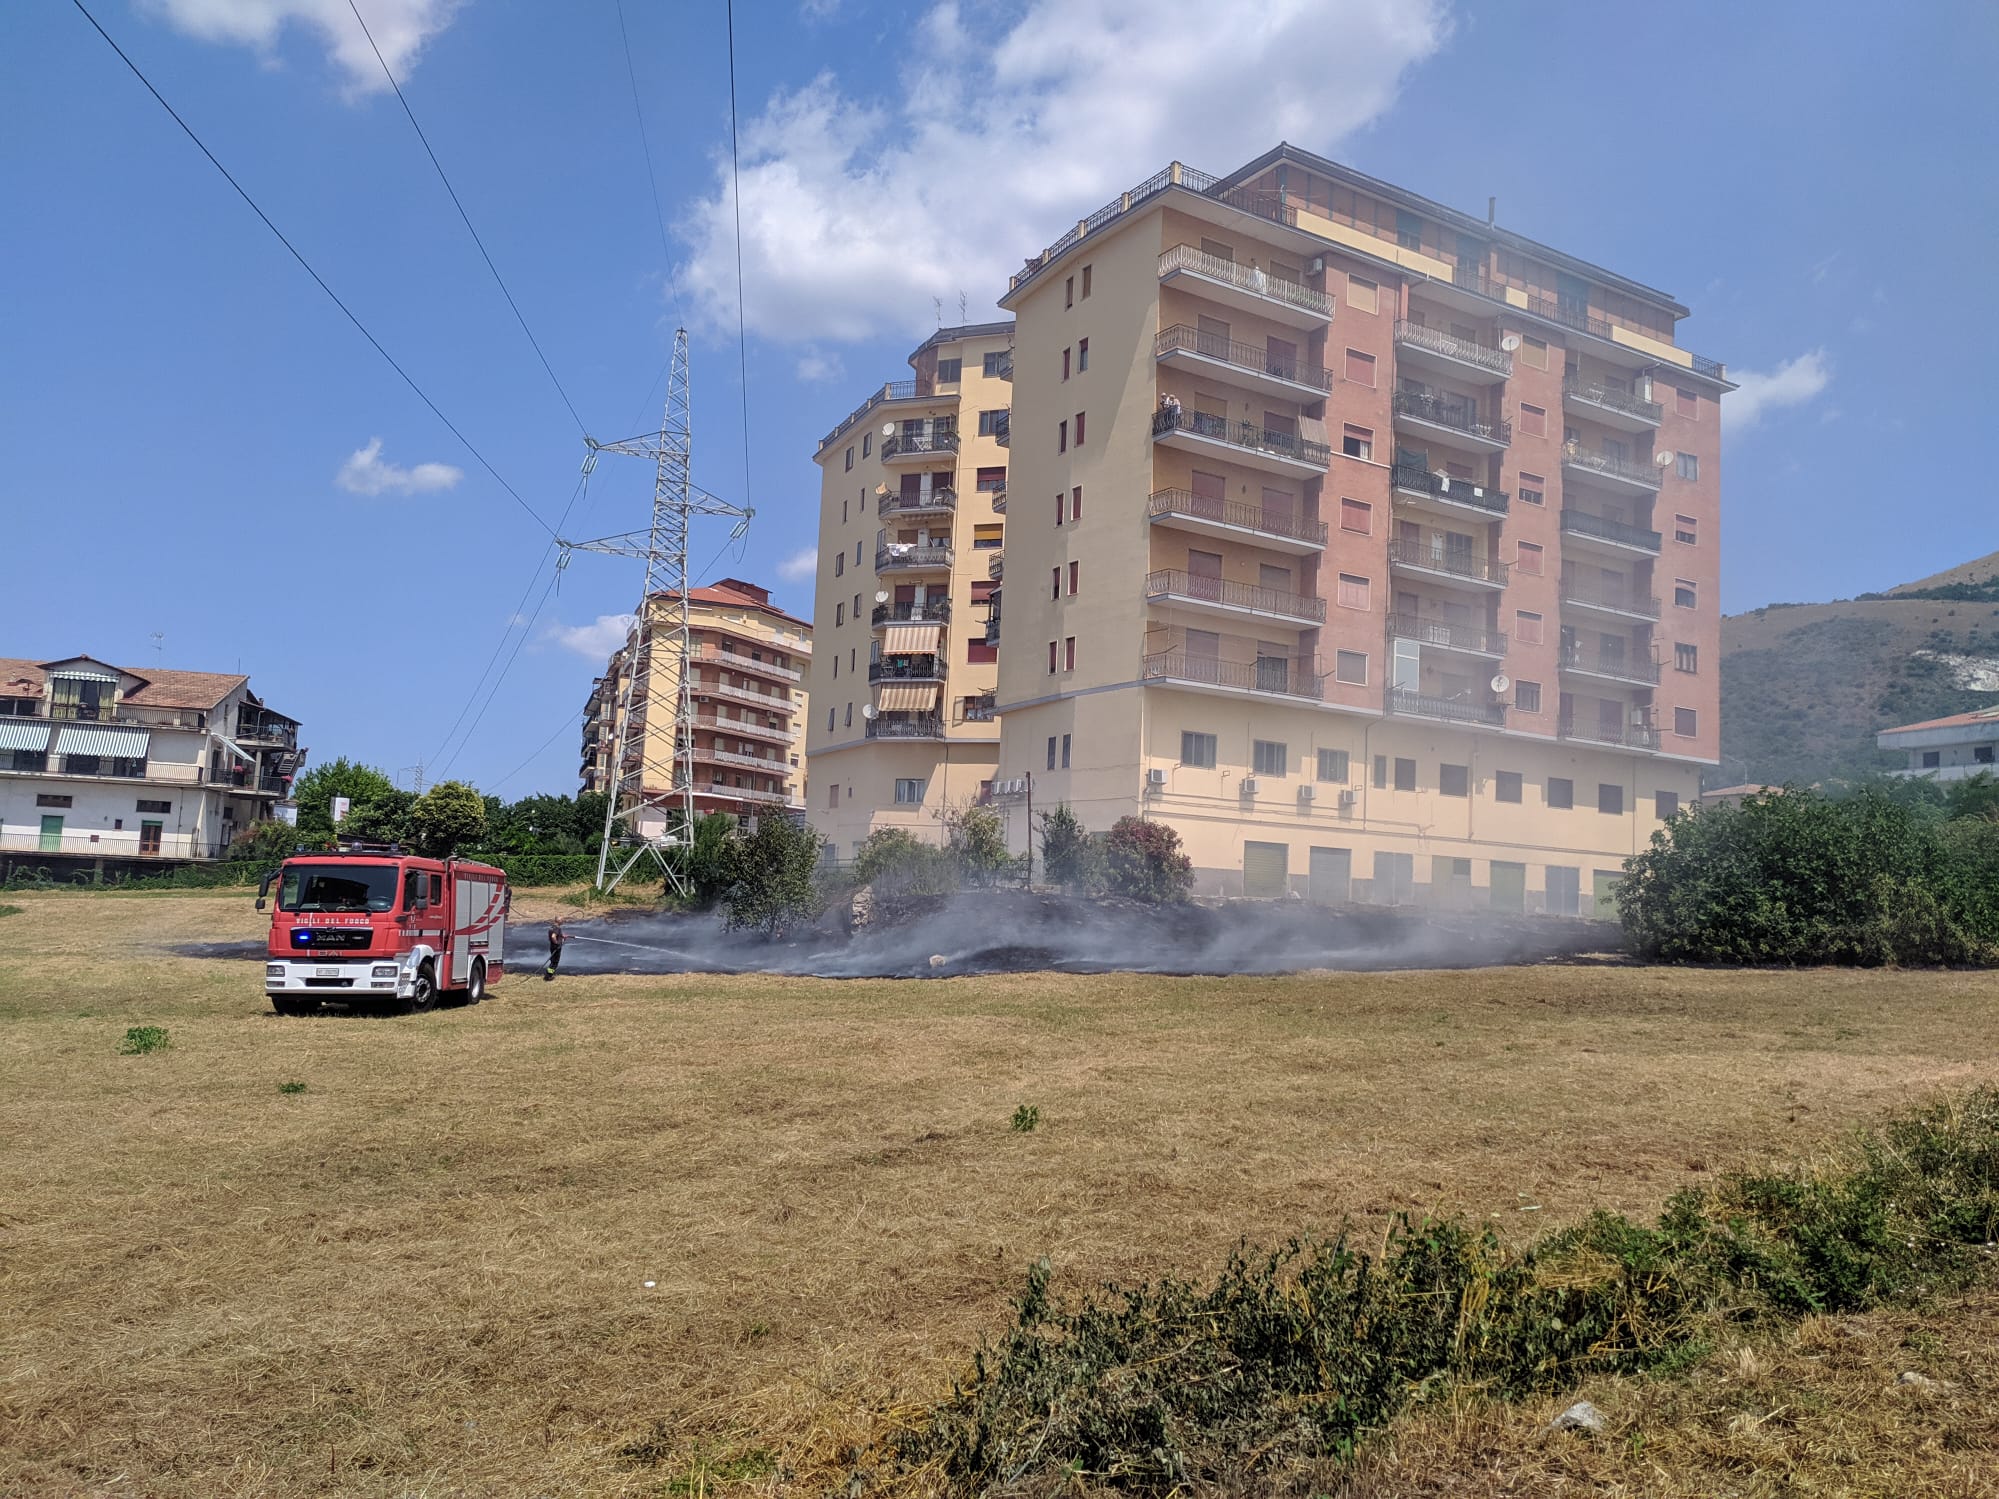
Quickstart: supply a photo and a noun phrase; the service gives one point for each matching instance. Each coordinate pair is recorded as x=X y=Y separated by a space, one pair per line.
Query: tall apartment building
x=116 y=767
x=749 y=659
x=1380 y=542
x=912 y=506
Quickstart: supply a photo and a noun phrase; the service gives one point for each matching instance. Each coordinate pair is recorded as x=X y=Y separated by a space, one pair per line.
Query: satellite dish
x=1510 y=342
x=1663 y=459
x=868 y=711
x=881 y=595
x=888 y=429
x=1500 y=682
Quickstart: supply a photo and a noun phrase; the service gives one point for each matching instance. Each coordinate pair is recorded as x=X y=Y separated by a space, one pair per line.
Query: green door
x=1330 y=877
x=1265 y=869
x=1509 y=886
x=51 y=835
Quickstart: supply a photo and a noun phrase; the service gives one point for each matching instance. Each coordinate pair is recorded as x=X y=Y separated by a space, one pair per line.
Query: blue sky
x=192 y=428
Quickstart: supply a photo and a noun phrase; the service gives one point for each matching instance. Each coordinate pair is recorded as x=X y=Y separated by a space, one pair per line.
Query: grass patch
x=291 y=1088
x=143 y=1039
x=1025 y=1118
x=7 y=910
x=590 y=898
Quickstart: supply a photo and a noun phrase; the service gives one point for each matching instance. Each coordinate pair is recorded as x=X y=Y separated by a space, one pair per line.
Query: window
x=991 y=480
x=1357 y=442
x=1069 y=292
x=1076 y=503
x=1069 y=654
x=1058 y=509
x=1687 y=403
x=864 y=499
x=867 y=443
x=1065 y=364
x=1534 y=353
x=1533 y=420
x=1527 y=561
x=840 y=563
x=831 y=720
x=1527 y=696
x=1333 y=765
x=1357 y=516
x=1360 y=367
x=850 y=715
x=1353 y=592
x=1506 y=786
x=1350 y=667
x=1062 y=437
x=1683 y=593
x=857 y=554
x=1687 y=465
x=993 y=364
x=909 y=791
x=1055 y=581
x=857 y=606
x=991 y=422
x=950 y=371
x=1051 y=751
x=1079 y=429
x=840 y=613
x=46 y=799
x=1932 y=760
x=1086 y=279
x=1269 y=757
x=1362 y=295
x=1053 y=647
x=1686 y=722
x=1082 y=355
x=1686 y=657
x=1075 y=572
x=843 y=512
x=1405 y=775
x=1686 y=530
x=1561 y=792
x=988 y=536
x=836 y=667
x=1533 y=489
x=1666 y=805
x=1408 y=230
x=850 y=460
x=146 y=806
x=1065 y=751
x=1564 y=891
x=1981 y=754
x=1197 y=750
x=1454 y=780
x=1526 y=627
x=1381 y=772
x=833 y=797
x=1610 y=799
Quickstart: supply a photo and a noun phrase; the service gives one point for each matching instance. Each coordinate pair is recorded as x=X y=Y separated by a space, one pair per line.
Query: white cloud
x=400 y=29
x=799 y=565
x=596 y=640
x=817 y=366
x=367 y=472
x=857 y=214
x=1792 y=383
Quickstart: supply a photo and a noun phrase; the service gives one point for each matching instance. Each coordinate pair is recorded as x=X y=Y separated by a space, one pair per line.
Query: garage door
x=1331 y=876
x=1265 y=869
x=1509 y=886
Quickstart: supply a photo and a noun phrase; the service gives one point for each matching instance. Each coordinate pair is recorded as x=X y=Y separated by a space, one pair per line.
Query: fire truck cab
x=380 y=927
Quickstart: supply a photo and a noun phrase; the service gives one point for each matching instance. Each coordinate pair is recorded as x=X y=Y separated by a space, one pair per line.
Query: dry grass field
x=630 y=1235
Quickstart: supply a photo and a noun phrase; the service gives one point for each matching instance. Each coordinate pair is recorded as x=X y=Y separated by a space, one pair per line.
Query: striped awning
x=17 y=735
x=96 y=739
x=233 y=747
x=911 y=640
x=907 y=697
x=83 y=674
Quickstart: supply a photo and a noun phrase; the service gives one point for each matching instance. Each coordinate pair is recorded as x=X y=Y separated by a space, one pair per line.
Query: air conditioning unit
x=1155 y=778
x=1347 y=800
x=1307 y=792
x=1249 y=785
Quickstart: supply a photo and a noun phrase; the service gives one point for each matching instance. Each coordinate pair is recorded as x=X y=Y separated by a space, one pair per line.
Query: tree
x=978 y=842
x=1974 y=796
x=895 y=862
x=771 y=876
x=1144 y=862
x=705 y=862
x=266 y=842
x=1070 y=857
x=447 y=817
x=382 y=817
x=316 y=789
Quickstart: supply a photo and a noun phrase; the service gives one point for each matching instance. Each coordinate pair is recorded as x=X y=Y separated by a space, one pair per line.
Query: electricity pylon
x=657 y=672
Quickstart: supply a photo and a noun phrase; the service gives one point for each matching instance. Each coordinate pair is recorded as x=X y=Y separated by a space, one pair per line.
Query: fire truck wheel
x=423 y=993
x=475 y=990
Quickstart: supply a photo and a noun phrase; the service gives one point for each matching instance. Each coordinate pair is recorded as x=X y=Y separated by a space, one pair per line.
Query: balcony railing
x=1643 y=474
x=1456 y=564
x=748 y=762
x=930 y=611
x=1238 y=513
x=1419 y=480
x=714 y=655
x=1451 y=709
x=917 y=504
x=742 y=793
x=1581 y=523
x=1453 y=412
x=1181 y=339
x=1565 y=311
x=907 y=669
x=1465 y=350
x=902 y=554
x=1003 y=366
x=1629 y=736
x=1256 y=281
x=1622 y=600
x=998 y=501
x=769 y=701
x=1610 y=398
x=1615 y=666
x=1447 y=633
x=1279 y=675
x=996 y=567
x=1002 y=432
x=894 y=390
x=745 y=728
x=982 y=709
x=1241 y=435
x=906 y=444
x=1171 y=582
x=893 y=726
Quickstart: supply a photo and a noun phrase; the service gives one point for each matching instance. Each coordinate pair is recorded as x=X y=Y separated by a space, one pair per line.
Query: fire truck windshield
x=338 y=887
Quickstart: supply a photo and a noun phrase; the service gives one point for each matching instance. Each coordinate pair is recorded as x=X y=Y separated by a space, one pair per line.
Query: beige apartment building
x=912 y=507
x=1371 y=546
x=749 y=660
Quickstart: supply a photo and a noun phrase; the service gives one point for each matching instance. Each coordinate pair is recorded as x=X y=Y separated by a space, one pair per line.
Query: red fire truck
x=381 y=927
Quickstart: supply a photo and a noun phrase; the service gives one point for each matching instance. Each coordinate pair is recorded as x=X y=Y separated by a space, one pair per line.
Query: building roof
x=157 y=687
x=734 y=593
x=1978 y=717
x=1748 y=788
x=963 y=330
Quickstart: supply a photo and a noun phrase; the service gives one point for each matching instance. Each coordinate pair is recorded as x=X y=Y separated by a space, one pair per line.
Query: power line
x=560 y=729
x=526 y=630
x=645 y=145
x=742 y=329
x=462 y=214
x=318 y=279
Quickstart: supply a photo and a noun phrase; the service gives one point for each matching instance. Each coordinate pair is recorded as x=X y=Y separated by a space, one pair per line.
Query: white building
x=104 y=765
x=1947 y=749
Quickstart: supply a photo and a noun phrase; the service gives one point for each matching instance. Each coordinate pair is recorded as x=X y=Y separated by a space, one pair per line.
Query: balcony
x=996 y=567
x=1279 y=531
x=1248 y=290
x=1183 y=348
x=1570 y=313
x=770 y=702
x=743 y=728
x=982 y=709
x=1446 y=565
x=1446 y=635
x=1611 y=472
x=1434 y=349
x=905 y=726
x=743 y=794
x=910 y=556
x=1453 y=418
x=919 y=447
x=1003 y=368
x=992 y=634
x=1448 y=709
x=937 y=502
x=1609 y=666
x=1613 y=535
x=1418 y=488
x=1624 y=736
x=998 y=501
x=1609 y=404
x=748 y=762
x=1619 y=603
x=1218 y=596
x=1243 y=442
x=1002 y=432
x=714 y=655
x=930 y=611
x=1275 y=676
x=924 y=668
x=894 y=390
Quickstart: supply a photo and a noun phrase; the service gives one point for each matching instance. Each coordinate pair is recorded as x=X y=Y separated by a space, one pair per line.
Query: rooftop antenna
x=159 y=647
x=938 y=303
x=964 y=314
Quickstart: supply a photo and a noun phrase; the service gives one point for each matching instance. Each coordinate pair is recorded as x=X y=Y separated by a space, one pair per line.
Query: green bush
x=1143 y=861
x=1070 y=857
x=770 y=873
x=142 y=1039
x=896 y=863
x=1026 y=1118
x=978 y=843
